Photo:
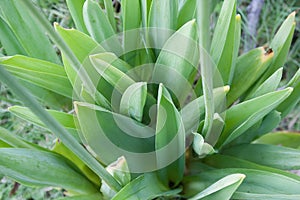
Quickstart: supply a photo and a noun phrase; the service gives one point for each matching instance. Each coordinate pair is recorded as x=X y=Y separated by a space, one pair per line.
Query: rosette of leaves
x=162 y=107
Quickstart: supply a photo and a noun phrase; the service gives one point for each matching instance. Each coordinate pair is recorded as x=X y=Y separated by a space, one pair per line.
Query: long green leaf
x=9 y=41
x=249 y=68
x=38 y=72
x=47 y=119
x=236 y=48
x=131 y=18
x=40 y=168
x=82 y=46
x=286 y=139
x=224 y=161
x=96 y=21
x=223 y=189
x=110 y=13
x=281 y=45
x=118 y=79
x=133 y=101
x=111 y=135
x=96 y=196
x=187 y=12
x=224 y=39
x=244 y=115
x=13 y=140
x=286 y=106
x=192 y=113
x=269 y=85
x=266 y=125
x=254 y=183
x=28 y=31
x=253 y=196
x=146 y=186
x=66 y=120
x=76 y=9
x=207 y=66
x=48 y=98
x=269 y=155
x=145 y=8
x=178 y=62
x=162 y=21
x=99 y=27
x=170 y=137
x=61 y=149
x=56 y=128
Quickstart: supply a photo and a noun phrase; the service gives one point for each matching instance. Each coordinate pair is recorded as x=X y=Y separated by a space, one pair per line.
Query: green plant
x=146 y=124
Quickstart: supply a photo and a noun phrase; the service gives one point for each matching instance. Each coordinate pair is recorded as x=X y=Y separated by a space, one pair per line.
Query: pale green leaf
x=290 y=103
x=269 y=155
x=187 y=12
x=9 y=41
x=61 y=149
x=82 y=46
x=200 y=147
x=146 y=187
x=269 y=85
x=223 y=189
x=253 y=196
x=14 y=141
x=145 y=7
x=249 y=68
x=96 y=196
x=263 y=126
x=244 y=115
x=280 y=45
x=133 y=101
x=66 y=120
x=254 y=183
x=40 y=73
x=207 y=66
x=286 y=139
x=99 y=27
x=76 y=9
x=110 y=135
x=192 y=113
x=170 y=137
x=120 y=171
x=40 y=168
x=224 y=39
x=178 y=62
x=117 y=79
x=110 y=13
x=162 y=21
x=131 y=19
x=224 y=161
x=27 y=30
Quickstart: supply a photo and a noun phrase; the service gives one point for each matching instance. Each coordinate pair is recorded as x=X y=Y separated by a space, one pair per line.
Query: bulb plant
x=148 y=104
